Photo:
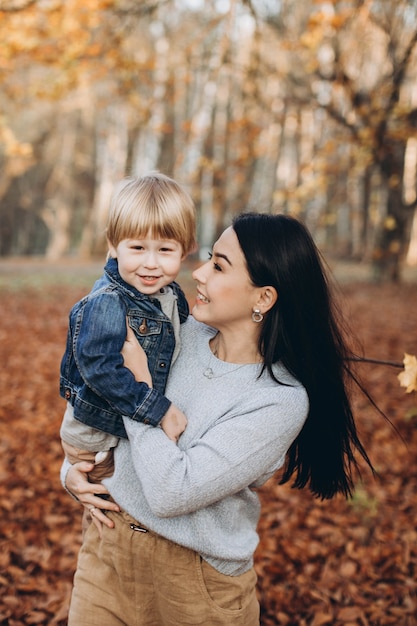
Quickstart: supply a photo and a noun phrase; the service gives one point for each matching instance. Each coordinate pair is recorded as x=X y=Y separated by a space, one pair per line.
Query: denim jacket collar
x=112 y=270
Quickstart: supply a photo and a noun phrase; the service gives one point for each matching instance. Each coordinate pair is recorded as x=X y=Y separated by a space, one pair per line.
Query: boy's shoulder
x=100 y=290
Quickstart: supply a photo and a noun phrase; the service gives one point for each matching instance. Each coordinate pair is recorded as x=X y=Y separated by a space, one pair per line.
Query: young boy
x=151 y=229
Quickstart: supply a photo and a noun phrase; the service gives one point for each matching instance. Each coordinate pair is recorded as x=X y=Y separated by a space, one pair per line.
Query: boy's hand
x=173 y=423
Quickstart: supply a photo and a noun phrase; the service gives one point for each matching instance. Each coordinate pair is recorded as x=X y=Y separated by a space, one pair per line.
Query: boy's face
x=148 y=264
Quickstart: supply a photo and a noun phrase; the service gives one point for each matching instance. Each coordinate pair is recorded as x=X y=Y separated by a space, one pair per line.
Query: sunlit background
x=306 y=107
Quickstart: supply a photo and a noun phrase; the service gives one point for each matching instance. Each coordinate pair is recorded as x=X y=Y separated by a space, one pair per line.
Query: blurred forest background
x=304 y=107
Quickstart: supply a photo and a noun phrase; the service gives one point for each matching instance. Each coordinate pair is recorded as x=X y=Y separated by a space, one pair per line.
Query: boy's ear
x=112 y=250
x=267 y=297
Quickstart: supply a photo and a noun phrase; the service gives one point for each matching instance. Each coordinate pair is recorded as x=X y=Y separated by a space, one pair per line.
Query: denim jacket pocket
x=144 y=326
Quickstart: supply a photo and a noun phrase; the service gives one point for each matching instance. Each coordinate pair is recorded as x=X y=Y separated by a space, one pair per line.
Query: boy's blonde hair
x=154 y=204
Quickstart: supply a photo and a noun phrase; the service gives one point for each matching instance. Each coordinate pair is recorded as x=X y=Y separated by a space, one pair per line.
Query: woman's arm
x=239 y=450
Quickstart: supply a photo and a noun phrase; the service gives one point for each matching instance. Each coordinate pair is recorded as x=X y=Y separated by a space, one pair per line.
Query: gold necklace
x=208 y=372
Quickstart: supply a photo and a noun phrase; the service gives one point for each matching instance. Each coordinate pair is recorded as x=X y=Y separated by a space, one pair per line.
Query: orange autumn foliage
x=337 y=563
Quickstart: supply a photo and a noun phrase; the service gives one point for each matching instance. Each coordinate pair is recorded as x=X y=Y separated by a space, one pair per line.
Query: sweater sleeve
x=234 y=453
x=65 y=467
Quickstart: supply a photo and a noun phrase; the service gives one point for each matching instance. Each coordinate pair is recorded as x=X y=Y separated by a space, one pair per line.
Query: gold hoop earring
x=257 y=316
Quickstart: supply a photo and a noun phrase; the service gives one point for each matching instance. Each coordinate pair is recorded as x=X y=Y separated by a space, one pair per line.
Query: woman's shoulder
x=285 y=391
x=283 y=375
x=278 y=406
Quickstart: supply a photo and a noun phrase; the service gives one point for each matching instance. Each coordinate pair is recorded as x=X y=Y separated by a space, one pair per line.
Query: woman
x=262 y=383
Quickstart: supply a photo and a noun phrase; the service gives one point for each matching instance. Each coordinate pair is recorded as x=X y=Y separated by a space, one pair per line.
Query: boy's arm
x=97 y=351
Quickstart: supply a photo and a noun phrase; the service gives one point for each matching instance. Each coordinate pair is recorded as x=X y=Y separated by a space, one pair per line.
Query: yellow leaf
x=408 y=378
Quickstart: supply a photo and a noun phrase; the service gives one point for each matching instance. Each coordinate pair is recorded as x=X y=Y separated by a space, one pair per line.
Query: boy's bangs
x=155 y=225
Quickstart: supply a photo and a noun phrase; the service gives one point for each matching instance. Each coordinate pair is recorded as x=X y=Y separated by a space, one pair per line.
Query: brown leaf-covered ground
x=335 y=562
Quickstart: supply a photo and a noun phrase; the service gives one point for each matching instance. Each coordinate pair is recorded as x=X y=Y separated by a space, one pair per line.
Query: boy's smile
x=148 y=264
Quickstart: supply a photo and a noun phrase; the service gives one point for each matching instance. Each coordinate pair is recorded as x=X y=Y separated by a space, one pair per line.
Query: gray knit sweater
x=200 y=493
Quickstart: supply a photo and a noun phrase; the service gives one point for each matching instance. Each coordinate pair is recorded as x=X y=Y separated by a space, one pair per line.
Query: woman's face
x=225 y=295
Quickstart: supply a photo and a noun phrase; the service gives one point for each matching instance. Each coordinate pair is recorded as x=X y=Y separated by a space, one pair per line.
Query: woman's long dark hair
x=304 y=331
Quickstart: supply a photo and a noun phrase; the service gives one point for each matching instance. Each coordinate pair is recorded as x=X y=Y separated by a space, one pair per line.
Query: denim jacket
x=93 y=378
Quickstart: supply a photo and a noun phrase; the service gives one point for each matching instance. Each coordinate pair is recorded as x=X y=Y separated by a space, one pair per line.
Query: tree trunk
x=111 y=159
x=393 y=237
x=60 y=187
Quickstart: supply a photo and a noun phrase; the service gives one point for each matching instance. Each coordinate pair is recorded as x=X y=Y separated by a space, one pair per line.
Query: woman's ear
x=267 y=297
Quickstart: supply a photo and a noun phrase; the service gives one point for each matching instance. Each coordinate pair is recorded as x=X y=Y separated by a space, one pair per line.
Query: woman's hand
x=87 y=493
x=135 y=358
x=174 y=421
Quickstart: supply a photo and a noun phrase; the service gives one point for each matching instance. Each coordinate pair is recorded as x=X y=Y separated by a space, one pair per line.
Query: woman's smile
x=202 y=298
